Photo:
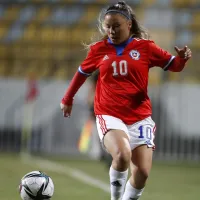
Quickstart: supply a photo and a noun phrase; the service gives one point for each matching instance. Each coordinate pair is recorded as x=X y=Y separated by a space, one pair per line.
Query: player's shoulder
x=97 y=45
x=143 y=41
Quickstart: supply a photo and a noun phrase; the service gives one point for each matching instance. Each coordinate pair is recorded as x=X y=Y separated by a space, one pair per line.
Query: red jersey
x=121 y=89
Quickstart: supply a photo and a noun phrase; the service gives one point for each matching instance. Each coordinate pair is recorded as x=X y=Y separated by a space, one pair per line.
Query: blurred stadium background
x=40 y=49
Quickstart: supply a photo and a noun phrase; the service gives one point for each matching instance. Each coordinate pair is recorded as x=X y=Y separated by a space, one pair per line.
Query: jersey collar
x=122 y=44
x=120 y=47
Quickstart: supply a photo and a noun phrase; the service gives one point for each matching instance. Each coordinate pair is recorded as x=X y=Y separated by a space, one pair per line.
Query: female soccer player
x=122 y=106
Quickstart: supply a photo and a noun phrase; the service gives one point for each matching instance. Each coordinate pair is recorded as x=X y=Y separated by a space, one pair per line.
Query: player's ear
x=129 y=24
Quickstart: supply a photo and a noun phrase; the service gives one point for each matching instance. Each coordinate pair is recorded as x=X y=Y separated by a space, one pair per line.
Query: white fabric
x=131 y=192
x=117 y=183
x=139 y=133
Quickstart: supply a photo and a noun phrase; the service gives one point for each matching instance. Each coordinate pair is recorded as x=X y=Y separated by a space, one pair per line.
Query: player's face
x=117 y=28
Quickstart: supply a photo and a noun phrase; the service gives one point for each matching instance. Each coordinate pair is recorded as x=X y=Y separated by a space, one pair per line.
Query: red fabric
x=161 y=58
x=157 y=56
x=89 y=64
x=75 y=84
x=177 y=64
x=121 y=89
x=32 y=91
x=123 y=96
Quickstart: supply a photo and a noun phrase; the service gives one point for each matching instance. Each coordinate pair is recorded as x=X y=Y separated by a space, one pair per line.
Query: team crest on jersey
x=134 y=55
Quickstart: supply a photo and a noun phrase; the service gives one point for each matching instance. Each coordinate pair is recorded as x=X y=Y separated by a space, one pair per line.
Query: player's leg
x=141 y=163
x=112 y=132
x=141 y=141
x=117 y=144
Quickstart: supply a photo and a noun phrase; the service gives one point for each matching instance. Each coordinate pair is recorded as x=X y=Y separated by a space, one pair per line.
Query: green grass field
x=166 y=182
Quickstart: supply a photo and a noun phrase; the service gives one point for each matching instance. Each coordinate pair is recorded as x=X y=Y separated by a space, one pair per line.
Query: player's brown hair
x=136 y=30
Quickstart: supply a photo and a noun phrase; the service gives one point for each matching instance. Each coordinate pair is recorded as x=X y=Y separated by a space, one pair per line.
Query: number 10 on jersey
x=120 y=68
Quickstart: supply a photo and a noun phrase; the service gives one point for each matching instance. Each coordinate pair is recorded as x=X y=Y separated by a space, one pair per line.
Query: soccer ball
x=36 y=186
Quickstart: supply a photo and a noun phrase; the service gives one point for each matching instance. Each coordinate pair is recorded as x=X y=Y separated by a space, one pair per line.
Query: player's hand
x=66 y=110
x=185 y=52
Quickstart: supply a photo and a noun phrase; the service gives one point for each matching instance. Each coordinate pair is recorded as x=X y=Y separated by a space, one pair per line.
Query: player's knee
x=144 y=173
x=123 y=156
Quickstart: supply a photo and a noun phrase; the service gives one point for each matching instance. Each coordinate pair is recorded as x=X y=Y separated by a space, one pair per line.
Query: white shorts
x=139 y=133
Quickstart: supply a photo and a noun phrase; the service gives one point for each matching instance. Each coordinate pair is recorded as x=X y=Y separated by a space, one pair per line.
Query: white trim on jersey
x=167 y=65
x=82 y=72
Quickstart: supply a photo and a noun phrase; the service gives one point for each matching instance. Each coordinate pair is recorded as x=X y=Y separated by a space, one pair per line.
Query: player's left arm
x=86 y=68
x=163 y=59
x=183 y=55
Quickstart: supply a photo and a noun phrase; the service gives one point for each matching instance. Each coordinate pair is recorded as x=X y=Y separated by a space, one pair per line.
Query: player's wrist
x=182 y=60
x=66 y=100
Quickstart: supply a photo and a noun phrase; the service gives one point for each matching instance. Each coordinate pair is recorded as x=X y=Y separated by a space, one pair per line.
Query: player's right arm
x=163 y=59
x=84 y=71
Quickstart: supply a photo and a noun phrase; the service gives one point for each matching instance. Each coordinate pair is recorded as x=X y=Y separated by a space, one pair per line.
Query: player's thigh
x=142 y=133
x=141 y=160
x=113 y=134
x=141 y=136
x=116 y=143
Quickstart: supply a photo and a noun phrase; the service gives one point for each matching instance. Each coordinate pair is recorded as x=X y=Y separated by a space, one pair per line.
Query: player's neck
x=127 y=41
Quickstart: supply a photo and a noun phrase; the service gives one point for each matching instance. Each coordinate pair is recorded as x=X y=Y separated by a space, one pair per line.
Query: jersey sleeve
x=159 y=57
x=89 y=65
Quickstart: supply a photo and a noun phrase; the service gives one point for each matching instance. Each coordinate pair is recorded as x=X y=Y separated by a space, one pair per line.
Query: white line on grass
x=63 y=169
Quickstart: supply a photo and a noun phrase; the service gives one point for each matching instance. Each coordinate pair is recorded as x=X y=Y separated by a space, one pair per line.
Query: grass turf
x=167 y=181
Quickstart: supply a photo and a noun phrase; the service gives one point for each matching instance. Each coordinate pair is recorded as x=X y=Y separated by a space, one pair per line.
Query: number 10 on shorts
x=145 y=132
